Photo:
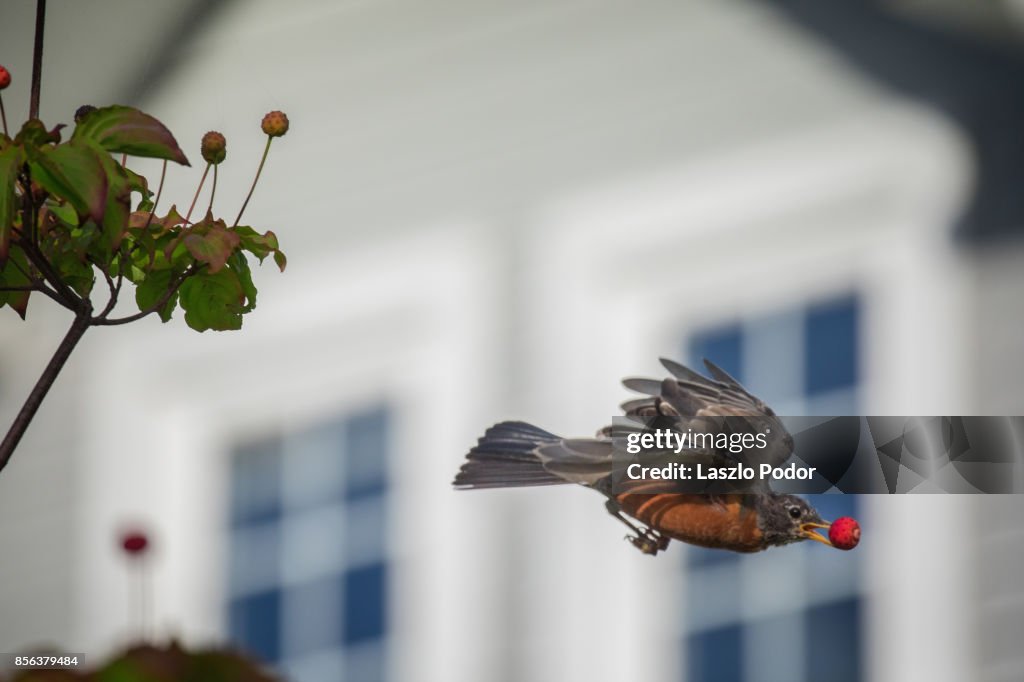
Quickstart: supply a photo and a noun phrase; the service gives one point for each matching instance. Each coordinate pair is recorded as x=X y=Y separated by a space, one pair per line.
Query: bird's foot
x=649 y=541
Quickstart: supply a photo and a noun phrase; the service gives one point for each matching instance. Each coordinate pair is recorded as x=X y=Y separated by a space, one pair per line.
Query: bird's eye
x=795 y=512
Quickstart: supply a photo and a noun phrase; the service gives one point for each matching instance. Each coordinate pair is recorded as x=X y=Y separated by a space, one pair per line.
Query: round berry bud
x=844 y=533
x=5 y=78
x=214 y=147
x=83 y=111
x=134 y=542
x=275 y=124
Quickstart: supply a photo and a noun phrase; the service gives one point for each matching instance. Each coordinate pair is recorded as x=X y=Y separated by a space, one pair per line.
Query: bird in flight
x=741 y=519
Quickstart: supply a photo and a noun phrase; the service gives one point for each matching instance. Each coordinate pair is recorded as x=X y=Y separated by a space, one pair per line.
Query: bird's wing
x=688 y=400
x=690 y=394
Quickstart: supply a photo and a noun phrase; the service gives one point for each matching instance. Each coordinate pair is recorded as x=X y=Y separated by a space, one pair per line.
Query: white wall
x=497 y=212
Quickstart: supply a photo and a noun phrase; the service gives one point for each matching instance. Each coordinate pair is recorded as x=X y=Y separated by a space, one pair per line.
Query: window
x=309 y=567
x=794 y=613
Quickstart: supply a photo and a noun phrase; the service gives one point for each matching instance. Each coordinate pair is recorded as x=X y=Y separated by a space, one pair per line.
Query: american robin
x=517 y=454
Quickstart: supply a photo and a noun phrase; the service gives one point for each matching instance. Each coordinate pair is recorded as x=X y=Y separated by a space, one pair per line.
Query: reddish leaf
x=211 y=243
x=139 y=219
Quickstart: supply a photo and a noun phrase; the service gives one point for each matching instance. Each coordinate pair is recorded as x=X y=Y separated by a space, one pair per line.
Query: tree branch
x=101 y=321
x=37 y=59
x=42 y=387
x=72 y=300
x=40 y=286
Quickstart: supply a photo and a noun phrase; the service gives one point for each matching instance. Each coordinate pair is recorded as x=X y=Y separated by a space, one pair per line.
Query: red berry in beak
x=5 y=78
x=134 y=543
x=844 y=533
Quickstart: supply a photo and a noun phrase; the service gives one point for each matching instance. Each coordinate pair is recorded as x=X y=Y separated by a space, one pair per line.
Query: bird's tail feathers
x=505 y=458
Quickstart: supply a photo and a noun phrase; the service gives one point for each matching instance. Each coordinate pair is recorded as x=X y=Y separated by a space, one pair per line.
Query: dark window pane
x=831 y=347
x=365 y=602
x=833 y=642
x=366 y=454
x=256 y=482
x=256 y=624
x=722 y=346
x=715 y=656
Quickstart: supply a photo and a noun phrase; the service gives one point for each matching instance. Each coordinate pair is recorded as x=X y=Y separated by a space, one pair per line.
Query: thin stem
x=144 y=598
x=198 y=190
x=266 y=150
x=213 y=191
x=124 y=161
x=3 y=115
x=113 y=287
x=43 y=289
x=42 y=387
x=159 y=191
x=37 y=59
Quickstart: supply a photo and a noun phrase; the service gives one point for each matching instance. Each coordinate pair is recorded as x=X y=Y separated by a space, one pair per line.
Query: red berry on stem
x=213 y=147
x=134 y=542
x=844 y=533
x=275 y=124
x=5 y=78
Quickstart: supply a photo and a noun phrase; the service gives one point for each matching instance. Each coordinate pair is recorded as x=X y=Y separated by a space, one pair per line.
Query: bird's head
x=787 y=518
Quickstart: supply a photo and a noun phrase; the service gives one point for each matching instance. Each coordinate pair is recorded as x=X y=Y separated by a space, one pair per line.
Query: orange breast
x=730 y=523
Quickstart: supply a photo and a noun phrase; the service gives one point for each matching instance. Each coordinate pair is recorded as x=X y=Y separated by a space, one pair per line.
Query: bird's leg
x=615 y=510
x=647 y=540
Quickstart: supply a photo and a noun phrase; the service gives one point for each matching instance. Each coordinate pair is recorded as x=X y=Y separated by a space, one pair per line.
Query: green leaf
x=212 y=243
x=72 y=172
x=64 y=212
x=213 y=301
x=11 y=276
x=149 y=292
x=11 y=159
x=75 y=272
x=240 y=266
x=260 y=245
x=34 y=134
x=129 y=131
x=118 y=201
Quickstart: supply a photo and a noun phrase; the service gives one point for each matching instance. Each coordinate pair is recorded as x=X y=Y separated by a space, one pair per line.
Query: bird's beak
x=808 y=530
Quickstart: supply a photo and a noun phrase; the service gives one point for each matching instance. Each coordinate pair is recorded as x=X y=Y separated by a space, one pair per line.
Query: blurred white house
x=497 y=211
